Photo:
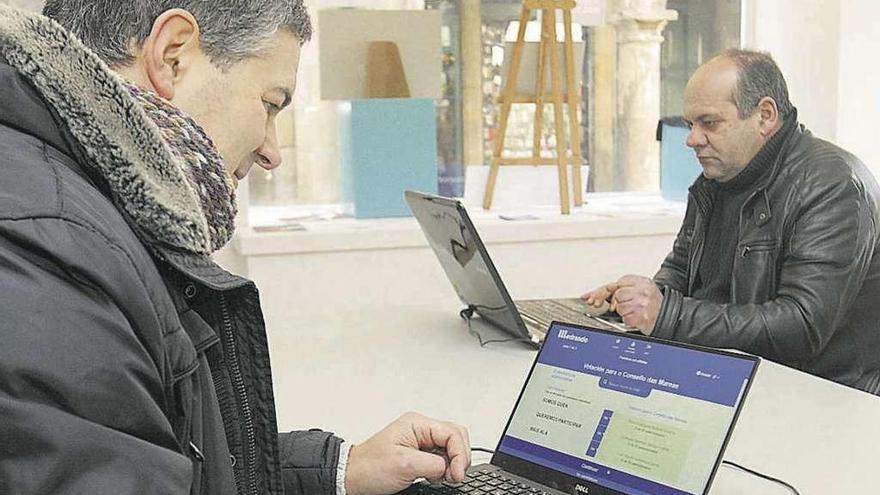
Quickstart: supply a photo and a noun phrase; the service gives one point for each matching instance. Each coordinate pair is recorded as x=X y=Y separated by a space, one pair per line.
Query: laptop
x=608 y=413
x=466 y=261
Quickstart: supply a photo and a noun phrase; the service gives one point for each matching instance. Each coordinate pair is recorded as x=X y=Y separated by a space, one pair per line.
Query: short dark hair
x=757 y=76
x=231 y=30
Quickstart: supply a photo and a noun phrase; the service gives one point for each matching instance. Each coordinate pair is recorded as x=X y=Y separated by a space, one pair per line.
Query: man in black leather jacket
x=777 y=252
x=130 y=363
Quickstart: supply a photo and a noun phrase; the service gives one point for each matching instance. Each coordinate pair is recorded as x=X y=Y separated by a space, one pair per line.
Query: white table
x=356 y=370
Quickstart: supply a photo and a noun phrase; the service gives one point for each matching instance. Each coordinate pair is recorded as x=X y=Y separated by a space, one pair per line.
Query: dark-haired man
x=776 y=254
x=129 y=362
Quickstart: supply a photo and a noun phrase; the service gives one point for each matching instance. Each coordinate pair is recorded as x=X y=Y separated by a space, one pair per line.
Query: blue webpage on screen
x=635 y=416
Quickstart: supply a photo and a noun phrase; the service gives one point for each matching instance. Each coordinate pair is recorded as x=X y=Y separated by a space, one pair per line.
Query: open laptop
x=608 y=413
x=464 y=258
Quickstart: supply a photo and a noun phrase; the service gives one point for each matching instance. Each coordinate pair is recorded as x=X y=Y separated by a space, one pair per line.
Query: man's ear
x=169 y=50
x=769 y=114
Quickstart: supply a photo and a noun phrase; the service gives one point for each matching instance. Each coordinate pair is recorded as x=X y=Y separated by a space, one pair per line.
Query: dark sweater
x=722 y=223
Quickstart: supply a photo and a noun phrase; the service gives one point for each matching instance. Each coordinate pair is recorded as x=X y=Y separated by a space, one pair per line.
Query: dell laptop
x=464 y=258
x=609 y=413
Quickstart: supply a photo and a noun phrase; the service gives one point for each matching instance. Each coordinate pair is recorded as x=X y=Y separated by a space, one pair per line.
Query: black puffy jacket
x=126 y=366
x=805 y=286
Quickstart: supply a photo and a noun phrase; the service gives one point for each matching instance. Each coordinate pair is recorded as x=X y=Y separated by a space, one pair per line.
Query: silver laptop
x=610 y=413
x=464 y=258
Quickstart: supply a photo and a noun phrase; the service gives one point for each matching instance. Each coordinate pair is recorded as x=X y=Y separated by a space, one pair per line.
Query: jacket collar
x=111 y=136
x=200 y=269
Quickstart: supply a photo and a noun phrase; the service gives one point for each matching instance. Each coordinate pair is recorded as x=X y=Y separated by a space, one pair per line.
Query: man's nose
x=695 y=138
x=268 y=154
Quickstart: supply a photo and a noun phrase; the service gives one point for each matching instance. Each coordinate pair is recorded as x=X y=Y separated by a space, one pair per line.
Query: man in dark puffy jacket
x=777 y=252
x=129 y=362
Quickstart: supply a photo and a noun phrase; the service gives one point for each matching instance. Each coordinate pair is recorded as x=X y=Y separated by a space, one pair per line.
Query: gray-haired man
x=776 y=253
x=130 y=363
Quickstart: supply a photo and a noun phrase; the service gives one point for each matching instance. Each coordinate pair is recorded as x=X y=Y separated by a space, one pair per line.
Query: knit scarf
x=157 y=165
x=199 y=160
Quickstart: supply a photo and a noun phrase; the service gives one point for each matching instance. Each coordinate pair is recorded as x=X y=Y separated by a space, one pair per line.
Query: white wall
x=828 y=51
x=804 y=38
x=35 y=5
x=858 y=117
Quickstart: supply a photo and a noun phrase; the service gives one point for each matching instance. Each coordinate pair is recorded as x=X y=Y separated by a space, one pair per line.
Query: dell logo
x=581 y=489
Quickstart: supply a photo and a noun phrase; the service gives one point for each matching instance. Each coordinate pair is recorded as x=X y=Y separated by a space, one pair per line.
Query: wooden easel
x=548 y=49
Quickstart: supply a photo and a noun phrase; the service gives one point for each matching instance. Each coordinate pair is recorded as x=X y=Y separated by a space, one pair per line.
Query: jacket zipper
x=759 y=246
x=238 y=385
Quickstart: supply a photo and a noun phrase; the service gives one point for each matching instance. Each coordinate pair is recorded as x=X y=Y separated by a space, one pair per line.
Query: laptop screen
x=627 y=413
x=463 y=257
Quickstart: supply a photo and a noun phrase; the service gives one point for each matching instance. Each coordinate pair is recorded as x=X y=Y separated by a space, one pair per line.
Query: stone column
x=638 y=24
x=602 y=105
x=471 y=81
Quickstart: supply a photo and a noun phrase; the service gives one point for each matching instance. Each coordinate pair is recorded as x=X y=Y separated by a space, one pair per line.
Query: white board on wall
x=343 y=37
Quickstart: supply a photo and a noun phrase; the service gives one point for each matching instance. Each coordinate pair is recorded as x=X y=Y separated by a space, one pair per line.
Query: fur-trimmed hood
x=120 y=143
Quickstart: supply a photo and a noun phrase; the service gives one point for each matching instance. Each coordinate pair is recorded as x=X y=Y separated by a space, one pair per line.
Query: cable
x=473 y=307
x=760 y=475
x=468 y=313
x=482 y=449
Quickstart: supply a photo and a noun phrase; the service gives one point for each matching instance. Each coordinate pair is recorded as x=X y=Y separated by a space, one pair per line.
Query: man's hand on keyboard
x=599 y=300
x=411 y=447
x=637 y=300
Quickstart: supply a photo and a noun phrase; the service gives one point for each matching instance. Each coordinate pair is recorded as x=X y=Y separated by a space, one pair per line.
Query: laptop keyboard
x=483 y=482
x=543 y=311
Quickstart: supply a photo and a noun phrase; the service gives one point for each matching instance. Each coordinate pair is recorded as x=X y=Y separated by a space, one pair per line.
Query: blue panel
x=679 y=166
x=387 y=146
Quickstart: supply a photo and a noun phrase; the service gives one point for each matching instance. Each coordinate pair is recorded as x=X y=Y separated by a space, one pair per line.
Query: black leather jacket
x=125 y=367
x=805 y=287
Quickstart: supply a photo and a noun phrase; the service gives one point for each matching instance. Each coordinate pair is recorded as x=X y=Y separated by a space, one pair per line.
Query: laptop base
x=537 y=314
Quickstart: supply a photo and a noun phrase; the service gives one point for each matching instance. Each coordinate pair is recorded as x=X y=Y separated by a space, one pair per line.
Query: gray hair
x=758 y=76
x=231 y=30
